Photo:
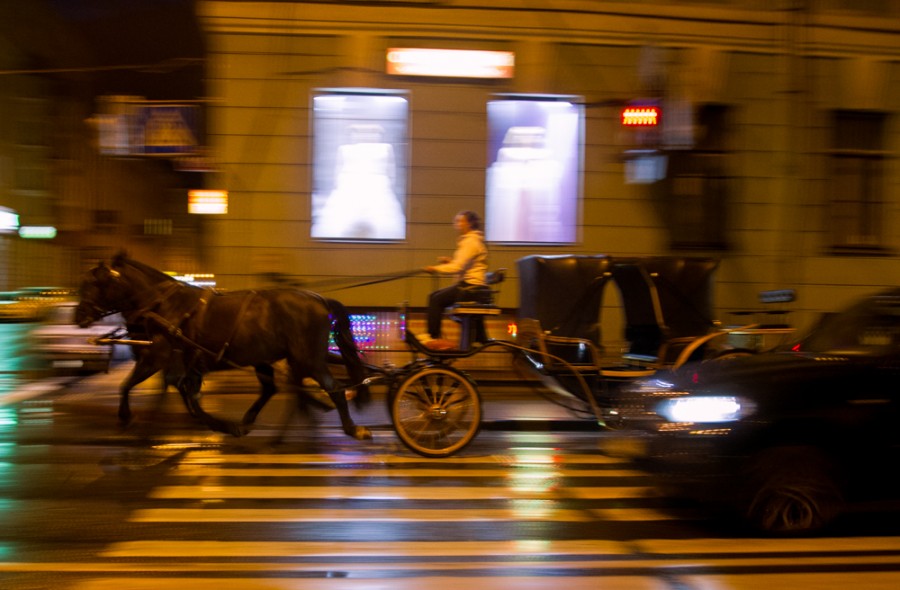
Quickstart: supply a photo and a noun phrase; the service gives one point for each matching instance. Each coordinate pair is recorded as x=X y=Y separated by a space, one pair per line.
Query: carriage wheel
x=436 y=412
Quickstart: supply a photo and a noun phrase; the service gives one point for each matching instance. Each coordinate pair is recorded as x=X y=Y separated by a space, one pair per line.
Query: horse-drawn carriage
x=435 y=407
x=667 y=304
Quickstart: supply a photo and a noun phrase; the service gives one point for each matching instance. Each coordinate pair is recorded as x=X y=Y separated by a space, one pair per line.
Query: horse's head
x=102 y=292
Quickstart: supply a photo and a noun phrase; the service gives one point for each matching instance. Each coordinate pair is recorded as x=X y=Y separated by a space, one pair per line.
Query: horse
x=154 y=355
x=193 y=331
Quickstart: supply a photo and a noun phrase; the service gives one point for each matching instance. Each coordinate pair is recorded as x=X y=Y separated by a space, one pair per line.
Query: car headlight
x=702 y=408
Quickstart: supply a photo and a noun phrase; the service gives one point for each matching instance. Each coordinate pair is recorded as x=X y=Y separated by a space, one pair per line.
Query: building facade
x=777 y=141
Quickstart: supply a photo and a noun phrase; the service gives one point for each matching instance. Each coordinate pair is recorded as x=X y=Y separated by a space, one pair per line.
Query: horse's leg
x=144 y=368
x=266 y=376
x=189 y=388
x=339 y=398
x=188 y=384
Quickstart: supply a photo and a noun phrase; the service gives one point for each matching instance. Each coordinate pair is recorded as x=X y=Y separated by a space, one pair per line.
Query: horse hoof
x=362 y=433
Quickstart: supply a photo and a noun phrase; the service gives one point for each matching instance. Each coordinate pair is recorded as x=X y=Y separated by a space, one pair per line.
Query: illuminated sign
x=207 y=202
x=451 y=63
x=37 y=232
x=640 y=116
x=9 y=221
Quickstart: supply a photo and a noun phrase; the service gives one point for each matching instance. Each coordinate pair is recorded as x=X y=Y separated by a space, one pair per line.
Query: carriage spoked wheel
x=436 y=411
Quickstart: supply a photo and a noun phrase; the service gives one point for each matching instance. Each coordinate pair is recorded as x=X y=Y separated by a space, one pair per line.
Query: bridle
x=115 y=278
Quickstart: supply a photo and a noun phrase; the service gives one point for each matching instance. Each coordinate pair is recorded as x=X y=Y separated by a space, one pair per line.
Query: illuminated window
x=857 y=182
x=534 y=163
x=359 y=165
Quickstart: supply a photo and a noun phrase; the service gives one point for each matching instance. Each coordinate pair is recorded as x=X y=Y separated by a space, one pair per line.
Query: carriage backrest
x=564 y=293
x=685 y=289
x=664 y=298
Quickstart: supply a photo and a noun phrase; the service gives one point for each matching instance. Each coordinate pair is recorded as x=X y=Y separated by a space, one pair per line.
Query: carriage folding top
x=667 y=304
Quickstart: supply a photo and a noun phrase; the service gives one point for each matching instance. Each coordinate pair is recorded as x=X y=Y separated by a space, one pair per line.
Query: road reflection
x=14 y=357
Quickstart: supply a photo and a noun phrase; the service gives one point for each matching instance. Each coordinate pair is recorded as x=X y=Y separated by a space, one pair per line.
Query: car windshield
x=869 y=324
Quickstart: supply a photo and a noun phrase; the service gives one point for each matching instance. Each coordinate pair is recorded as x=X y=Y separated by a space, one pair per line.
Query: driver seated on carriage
x=469 y=265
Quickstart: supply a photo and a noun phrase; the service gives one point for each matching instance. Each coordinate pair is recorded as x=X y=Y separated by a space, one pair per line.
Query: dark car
x=787 y=439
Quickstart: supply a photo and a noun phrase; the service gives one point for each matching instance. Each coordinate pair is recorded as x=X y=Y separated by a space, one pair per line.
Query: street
x=167 y=504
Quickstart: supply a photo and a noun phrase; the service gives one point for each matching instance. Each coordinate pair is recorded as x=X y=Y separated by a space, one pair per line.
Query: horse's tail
x=343 y=337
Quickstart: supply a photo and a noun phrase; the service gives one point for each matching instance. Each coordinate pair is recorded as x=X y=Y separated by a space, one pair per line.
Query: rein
x=147 y=312
x=324 y=285
x=176 y=331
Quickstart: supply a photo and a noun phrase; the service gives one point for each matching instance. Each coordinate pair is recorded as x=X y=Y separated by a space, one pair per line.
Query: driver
x=469 y=264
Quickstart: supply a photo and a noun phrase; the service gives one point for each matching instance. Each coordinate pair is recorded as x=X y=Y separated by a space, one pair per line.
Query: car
x=62 y=346
x=30 y=304
x=785 y=440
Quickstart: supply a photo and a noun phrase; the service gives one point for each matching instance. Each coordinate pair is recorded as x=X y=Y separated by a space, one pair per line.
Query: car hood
x=768 y=371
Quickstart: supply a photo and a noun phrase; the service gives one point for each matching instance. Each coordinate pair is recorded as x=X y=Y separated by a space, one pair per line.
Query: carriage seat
x=478 y=303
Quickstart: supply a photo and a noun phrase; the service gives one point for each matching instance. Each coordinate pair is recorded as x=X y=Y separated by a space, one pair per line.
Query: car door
x=876 y=396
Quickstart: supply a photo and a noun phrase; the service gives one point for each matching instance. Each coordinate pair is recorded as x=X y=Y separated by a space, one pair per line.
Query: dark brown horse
x=193 y=331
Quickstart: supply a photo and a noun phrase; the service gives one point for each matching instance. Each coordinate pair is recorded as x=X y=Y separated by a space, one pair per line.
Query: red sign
x=645 y=116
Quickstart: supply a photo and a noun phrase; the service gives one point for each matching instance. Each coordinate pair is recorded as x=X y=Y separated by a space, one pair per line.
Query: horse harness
x=197 y=312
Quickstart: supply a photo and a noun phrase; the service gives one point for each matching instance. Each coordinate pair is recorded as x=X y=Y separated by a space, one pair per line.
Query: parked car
x=788 y=439
x=64 y=346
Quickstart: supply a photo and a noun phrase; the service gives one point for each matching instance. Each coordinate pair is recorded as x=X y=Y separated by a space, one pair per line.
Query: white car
x=63 y=346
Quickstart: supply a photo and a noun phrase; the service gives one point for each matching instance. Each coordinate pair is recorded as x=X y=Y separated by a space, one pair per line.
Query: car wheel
x=792 y=491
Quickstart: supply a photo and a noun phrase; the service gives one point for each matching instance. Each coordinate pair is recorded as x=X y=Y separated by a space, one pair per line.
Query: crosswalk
x=524 y=512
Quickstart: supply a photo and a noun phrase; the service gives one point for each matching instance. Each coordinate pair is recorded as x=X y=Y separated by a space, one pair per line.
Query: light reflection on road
x=15 y=358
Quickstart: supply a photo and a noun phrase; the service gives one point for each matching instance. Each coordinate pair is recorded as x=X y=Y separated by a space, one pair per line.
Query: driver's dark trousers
x=441 y=299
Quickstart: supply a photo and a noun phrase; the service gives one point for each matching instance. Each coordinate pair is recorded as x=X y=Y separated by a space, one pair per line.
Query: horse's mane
x=122 y=259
